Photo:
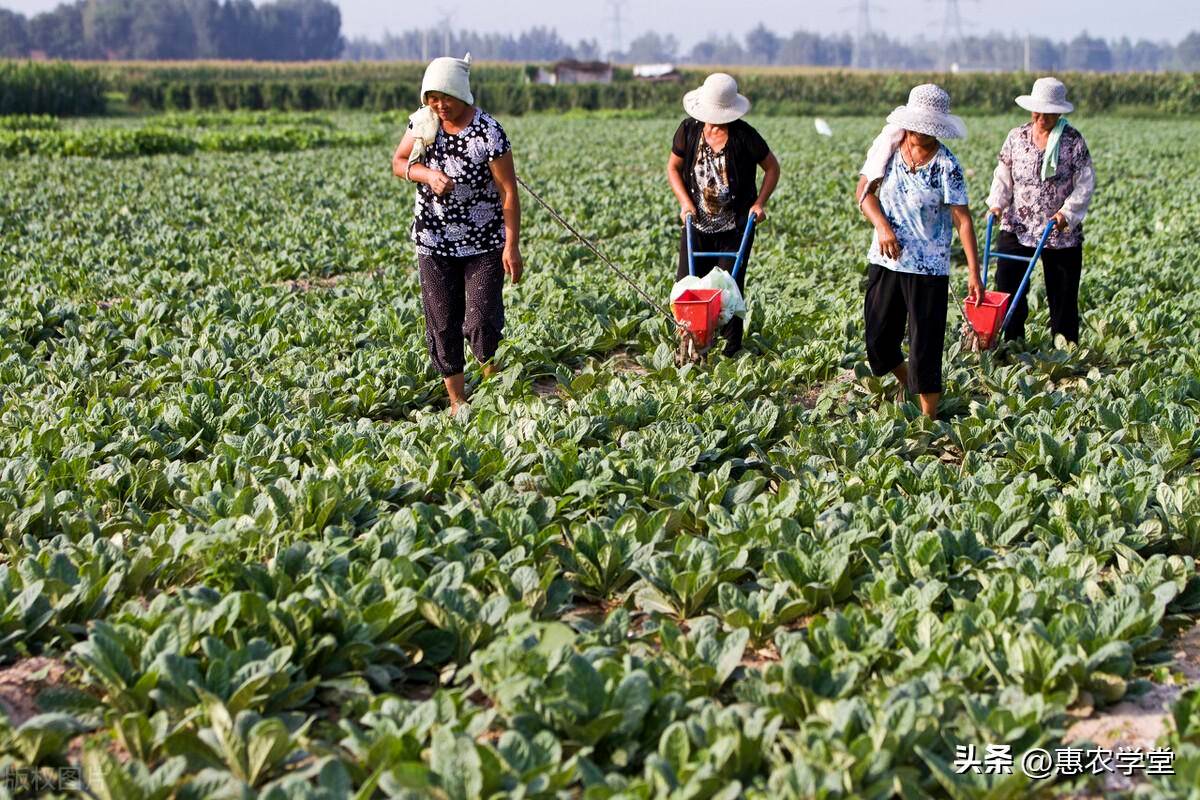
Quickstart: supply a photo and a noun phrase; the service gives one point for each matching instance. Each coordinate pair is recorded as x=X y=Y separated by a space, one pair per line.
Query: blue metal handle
x=743 y=250
x=739 y=257
x=1012 y=304
x=687 y=223
x=987 y=249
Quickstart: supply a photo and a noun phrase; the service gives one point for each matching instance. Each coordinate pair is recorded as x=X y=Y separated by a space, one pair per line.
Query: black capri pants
x=894 y=300
x=723 y=242
x=1062 y=267
x=462 y=297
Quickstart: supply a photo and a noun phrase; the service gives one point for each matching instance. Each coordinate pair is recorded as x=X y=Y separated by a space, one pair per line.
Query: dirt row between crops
x=21 y=683
x=1138 y=723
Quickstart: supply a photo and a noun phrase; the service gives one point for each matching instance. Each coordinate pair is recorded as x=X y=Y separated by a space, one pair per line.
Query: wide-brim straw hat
x=717 y=101
x=1049 y=96
x=928 y=112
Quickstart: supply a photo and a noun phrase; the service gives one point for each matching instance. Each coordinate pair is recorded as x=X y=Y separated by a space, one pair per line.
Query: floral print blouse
x=469 y=220
x=1027 y=202
x=917 y=204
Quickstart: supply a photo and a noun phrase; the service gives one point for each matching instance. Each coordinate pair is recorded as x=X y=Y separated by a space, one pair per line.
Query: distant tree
x=726 y=50
x=107 y=25
x=1086 y=54
x=205 y=20
x=703 y=52
x=762 y=46
x=299 y=30
x=650 y=48
x=59 y=33
x=320 y=34
x=1151 y=56
x=1045 y=55
x=14 y=34
x=1187 y=53
x=802 y=47
x=588 y=50
x=162 y=29
x=540 y=43
x=239 y=30
x=311 y=29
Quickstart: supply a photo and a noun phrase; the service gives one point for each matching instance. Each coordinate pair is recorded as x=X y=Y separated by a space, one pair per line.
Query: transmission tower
x=952 y=35
x=863 y=53
x=615 y=7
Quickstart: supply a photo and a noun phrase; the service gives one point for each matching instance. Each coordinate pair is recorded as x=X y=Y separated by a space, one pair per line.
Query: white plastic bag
x=732 y=303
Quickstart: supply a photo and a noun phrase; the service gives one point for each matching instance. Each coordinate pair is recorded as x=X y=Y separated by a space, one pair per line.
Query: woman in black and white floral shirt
x=466 y=223
x=1044 y=173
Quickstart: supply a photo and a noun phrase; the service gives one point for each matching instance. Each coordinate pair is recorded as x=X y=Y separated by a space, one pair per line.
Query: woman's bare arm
x=966 y=234
x=505 y=174
x=770 y=167
x=400 y=159
x=675 y=178
x=418 y=172
x=873 y=211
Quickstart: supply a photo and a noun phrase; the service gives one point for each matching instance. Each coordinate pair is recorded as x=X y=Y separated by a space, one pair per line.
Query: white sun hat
x=928 y=112
x=717 y=101
x=450 y=76
x=1049 y=96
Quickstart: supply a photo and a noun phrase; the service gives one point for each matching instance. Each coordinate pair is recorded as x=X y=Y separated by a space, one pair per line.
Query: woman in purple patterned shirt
x=1044 y=173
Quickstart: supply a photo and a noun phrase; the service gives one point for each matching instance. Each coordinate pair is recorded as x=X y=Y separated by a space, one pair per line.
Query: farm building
x=572 y=71
x=657 y=73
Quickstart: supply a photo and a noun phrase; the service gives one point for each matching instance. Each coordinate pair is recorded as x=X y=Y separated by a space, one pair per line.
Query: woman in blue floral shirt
x=915 y=208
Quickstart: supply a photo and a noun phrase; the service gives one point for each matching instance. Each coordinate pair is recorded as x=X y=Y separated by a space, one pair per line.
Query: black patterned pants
x=462 y=297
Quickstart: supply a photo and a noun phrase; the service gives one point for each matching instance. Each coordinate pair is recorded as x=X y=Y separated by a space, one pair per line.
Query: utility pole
x=1027 y=52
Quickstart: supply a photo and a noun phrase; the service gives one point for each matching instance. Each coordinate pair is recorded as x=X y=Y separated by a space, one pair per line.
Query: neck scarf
x=1050 y=158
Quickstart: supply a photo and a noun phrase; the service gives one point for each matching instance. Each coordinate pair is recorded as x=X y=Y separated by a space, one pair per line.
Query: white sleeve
x=1001 y=194
x=1075 y=207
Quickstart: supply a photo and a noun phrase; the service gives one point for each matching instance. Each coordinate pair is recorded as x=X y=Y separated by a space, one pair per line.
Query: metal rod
x=987 y=249
x=741 y=253
x=558 y=217
x=687 y=224
x=1012 y=305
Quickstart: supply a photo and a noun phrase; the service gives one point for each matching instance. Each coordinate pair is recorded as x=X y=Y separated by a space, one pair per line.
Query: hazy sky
x=691 y=20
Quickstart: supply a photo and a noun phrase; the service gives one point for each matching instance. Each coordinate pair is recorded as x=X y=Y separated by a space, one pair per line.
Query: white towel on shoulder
x=881 y=152
x=424 y=125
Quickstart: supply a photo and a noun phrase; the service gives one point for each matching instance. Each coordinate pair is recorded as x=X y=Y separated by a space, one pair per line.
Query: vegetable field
x=246 y=553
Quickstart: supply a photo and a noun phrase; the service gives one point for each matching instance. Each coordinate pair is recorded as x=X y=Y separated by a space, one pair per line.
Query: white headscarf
x=446 y=75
